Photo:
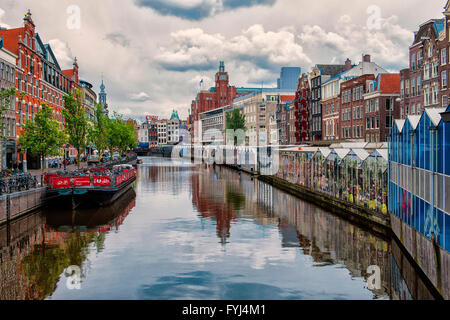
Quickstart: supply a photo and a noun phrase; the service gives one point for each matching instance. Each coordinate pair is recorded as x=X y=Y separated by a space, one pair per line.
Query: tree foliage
x=121 y=134
x=42 y=136
x=235 y=120
x=76 y=124
x=98 y=134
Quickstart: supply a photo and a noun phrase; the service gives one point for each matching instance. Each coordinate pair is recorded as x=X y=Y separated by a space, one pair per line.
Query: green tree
x=98 y=134
x=76 y=124
x=235 y=121
x=42 y=137
x=121 y=134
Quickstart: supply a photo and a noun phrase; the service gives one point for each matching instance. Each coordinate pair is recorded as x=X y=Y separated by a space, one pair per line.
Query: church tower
x=102 y=97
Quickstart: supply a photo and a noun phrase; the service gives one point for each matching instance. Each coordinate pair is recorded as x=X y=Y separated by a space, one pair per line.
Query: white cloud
x=2 y=24
x=387 y=45
x=62 y=52
x=194 y=49
x=141 y=97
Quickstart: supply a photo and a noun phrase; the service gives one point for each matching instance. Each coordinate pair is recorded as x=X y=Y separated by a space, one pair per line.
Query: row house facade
x=89 y=100
x=39 y=79
x=302 y=107
x=338 y=124
x=381 y=106
x=173 y=128
x=444 y=57
x=162 y=131
x=351 y=112
x=420 y=83
x=260 y=111
x=8 y=119
x=321 y=73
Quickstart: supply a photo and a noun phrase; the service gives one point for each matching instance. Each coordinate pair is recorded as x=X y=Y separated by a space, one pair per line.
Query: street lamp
x=65 y=157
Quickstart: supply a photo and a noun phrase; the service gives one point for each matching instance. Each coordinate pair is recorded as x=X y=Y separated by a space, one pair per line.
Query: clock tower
x=224 y=95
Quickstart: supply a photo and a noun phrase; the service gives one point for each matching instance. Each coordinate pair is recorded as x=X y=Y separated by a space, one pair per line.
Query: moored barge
x=96 y=186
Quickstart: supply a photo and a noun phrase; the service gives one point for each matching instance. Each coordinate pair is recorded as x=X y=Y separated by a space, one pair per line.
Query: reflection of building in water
x=225 y=195
x=18 y=239
x=208 y=195
x=164 y=178
x=327 y=238
x=33 y=255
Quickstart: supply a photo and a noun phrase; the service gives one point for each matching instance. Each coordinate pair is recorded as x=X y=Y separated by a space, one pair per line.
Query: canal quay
x=194 y=231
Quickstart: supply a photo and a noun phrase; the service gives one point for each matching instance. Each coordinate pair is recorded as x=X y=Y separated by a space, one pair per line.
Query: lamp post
x=65 y=157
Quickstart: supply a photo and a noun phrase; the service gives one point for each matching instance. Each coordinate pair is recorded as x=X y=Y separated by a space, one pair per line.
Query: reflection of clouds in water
x=193 y=248
x=204 y=285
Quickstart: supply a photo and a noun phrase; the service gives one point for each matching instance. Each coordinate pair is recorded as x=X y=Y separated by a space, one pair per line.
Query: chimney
x=348 y=64
x=366 y=58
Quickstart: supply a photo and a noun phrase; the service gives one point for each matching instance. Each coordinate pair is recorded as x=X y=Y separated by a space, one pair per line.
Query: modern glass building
x=419 y=167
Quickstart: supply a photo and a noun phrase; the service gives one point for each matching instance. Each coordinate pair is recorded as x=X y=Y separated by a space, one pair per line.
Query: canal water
x=200 y=232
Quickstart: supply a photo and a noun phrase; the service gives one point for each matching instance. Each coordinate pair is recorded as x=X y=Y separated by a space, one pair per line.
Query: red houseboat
x=96 y=186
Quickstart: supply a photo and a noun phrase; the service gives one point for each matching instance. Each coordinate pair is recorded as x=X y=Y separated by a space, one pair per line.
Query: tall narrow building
x=102 y=98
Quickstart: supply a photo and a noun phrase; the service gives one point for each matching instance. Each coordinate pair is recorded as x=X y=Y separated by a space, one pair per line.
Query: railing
x=89 y=178
x=123 y=160
x=17 y=183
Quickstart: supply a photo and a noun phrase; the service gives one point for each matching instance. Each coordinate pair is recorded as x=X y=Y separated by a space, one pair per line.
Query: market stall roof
x=414 y=120
x=380 y=153
x=400 y=123
x=324 y=151
x=342 y=152
x=435 y=114
x=361 y=154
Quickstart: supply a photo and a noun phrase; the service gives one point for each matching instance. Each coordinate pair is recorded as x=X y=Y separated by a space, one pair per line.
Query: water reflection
x=200 y=232
x=36 y=249
x=328 y=239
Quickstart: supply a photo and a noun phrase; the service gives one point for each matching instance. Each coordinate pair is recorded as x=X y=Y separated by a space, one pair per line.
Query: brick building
x=332 y=115
x=39 y=78
x=283 y=114
x=351 y=119
x=444 y=64
x=381 y=106
x=220 y=95
x=300 y=124
x=8 y=119
x=321 y=73
x=420 y=83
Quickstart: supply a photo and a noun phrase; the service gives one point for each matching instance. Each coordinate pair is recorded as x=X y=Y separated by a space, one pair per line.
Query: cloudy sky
x=153 y=53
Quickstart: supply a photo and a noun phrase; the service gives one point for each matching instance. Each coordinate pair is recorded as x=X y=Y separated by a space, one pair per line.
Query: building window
x=426 y=72
x=444 y=101
x=444 y=79
x=388 y=121
x=444 y=56
x=435 y=95
x=434 y=72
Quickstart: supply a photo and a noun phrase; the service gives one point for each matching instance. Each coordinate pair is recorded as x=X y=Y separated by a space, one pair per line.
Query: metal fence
x=122 y=160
